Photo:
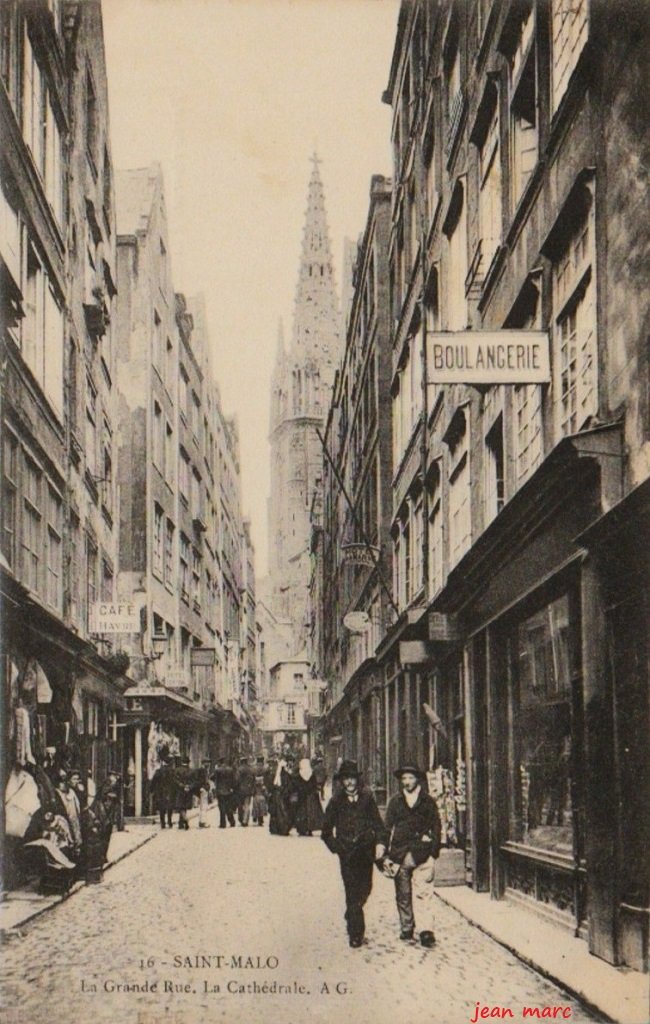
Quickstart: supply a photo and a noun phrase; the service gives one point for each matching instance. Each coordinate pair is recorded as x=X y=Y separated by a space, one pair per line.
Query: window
x=107 y=582
x=91 y=428
x=184 y=557
x=541 y=656
x=457 y=263
x=157 y=438
x=494 y=482
x=8 y=506
x=196 y=415
x=34 y=100
x=489 y=205
x=522 y=82
x=298 y=682
x=435 y=533
x=54 y=557
x=92 y=123
x=460 y=523
x=196 y=579
x=184 y=476
x=195 y=497
x=76 y=600
x=31 y=526
x=92 y=718
x=42 y=331
x=169 y=366
x=291 y=714
x=156 y=341
x=569 y=31
x=574 y=331
x=91 y=578
x=169 y=551
x=184 y=393
x=417 y=538
x=157 y=553
x=528 y=429
x=170 y=457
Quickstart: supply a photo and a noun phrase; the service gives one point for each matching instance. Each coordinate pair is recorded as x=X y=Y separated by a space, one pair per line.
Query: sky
x=232 y=97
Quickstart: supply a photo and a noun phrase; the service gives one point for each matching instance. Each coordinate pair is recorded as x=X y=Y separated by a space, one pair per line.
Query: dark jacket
x=163 y=788
x=406 y=826
x=224 y=779
x=245 y=780
x=358 y=825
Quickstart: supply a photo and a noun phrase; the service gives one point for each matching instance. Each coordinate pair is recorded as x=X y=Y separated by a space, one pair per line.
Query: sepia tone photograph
x=324 y=511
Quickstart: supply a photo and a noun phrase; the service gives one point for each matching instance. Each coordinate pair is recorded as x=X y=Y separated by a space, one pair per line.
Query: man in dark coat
x=163 y=791
x=353 y=829
x=413 y=827
x=224 y=783
x=245 y=790
x=183 y=791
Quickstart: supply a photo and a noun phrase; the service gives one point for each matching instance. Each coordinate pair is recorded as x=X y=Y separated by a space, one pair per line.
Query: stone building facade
x=62 y=690
x=351 y=539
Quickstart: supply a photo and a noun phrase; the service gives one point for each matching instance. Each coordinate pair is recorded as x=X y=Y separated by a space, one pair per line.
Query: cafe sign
x=114 y=617
x=489 y=357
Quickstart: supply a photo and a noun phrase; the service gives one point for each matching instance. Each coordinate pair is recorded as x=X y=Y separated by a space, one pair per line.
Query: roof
x=134 y=195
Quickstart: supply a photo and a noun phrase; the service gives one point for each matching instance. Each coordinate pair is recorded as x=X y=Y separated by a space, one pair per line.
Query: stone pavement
x=237 y=925
x=22 y=905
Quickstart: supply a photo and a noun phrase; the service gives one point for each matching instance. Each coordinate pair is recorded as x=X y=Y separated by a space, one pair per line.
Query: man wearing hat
x=353 y=829
x=413 y=827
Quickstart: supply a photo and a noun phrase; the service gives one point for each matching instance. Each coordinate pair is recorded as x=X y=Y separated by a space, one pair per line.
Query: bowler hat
x=348 y=770
x=408 y=767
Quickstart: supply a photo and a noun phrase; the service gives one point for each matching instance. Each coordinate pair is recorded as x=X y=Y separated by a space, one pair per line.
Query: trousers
x=356 y=872
x=244 y=810
x=411 y=881
x=226 y=810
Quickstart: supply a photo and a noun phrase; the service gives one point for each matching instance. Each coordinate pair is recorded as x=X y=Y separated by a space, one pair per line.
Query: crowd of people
x=291 y=791
x=58 y=824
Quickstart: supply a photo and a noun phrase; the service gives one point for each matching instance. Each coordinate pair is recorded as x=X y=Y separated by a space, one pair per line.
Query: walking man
x=353 y=829
x=245 y=790
x=413 y=827
x=224 y=779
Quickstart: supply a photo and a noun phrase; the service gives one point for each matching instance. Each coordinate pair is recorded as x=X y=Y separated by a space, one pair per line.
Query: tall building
x=62 y=688
x=521 y=585
x=351 y=540
x=301 y=390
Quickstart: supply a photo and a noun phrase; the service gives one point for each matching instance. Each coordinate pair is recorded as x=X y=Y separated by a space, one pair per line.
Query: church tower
x=301 y=389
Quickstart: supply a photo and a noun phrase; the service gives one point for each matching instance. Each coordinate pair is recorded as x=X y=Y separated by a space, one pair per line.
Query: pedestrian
x=183 y=792
x=309 y=813
x=245 y=790
x=413 y=827
x=163 y=791
x=353 y=829
x=203 y=786
x=259 y=807
x=223 y=777
x=320 y=773
x=279 y=817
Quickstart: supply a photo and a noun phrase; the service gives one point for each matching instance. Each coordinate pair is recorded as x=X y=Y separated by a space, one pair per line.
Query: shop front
x=528 y=612
x=61 y=703
x=160 y=724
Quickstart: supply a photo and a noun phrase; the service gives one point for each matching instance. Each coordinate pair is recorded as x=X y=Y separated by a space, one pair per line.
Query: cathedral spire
x=316 y=315
x=279 y=355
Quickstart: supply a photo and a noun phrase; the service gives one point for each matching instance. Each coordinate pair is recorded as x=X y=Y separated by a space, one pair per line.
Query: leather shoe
x=406 y=936
x=356 y=942
x=427 y=939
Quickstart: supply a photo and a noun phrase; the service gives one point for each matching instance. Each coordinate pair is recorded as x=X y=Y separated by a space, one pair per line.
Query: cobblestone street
x=245 y=894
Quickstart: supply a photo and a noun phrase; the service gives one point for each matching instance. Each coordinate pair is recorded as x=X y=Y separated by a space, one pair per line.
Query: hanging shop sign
x=443 y=627
x=356 y=622
x=114 y=617
x=416 y=652
x=359 y=554
x=489 y=357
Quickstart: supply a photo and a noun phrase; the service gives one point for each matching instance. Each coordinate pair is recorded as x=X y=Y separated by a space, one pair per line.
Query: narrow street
x=243 y=893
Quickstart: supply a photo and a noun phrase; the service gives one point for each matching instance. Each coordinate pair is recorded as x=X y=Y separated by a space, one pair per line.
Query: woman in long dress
x=280 y=819
x=309 y=813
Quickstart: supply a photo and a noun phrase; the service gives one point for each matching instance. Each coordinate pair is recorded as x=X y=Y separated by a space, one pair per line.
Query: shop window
x=542 y=724
x=569 y=32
